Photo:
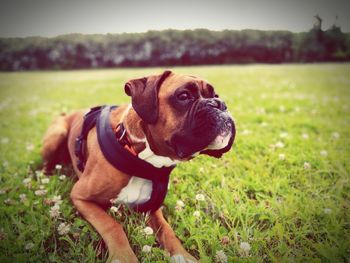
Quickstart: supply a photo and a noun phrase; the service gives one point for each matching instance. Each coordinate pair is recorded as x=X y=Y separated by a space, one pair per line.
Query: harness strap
x=113 y=146
x=121 y=158
x=80 y=141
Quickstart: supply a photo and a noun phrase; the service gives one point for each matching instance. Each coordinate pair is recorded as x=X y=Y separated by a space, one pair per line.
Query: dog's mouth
x=209 y=131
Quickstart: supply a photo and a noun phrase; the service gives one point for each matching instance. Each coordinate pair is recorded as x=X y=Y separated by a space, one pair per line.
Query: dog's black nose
x=216 y=103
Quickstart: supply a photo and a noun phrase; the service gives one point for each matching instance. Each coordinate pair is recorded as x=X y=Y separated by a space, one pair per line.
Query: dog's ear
x=144 y=95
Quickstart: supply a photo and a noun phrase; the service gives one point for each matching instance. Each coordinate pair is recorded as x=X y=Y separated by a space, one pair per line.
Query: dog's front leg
x=112 y=232
x=167 y=238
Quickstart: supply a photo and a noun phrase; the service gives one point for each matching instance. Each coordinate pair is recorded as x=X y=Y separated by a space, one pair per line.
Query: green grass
x=285 y=211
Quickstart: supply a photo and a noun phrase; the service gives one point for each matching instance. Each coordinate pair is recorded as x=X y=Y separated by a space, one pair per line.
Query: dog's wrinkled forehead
x=196 y=84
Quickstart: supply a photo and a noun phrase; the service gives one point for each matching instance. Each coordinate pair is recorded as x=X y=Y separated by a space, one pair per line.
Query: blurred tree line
x=174 y=47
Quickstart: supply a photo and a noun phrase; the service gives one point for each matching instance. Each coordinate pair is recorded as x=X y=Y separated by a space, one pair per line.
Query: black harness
x=113 y=147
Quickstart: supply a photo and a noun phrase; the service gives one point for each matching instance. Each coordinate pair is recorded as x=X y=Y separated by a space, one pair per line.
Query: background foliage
x=173 y=47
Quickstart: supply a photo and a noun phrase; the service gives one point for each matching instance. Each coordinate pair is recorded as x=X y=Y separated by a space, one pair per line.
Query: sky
x=50 y=18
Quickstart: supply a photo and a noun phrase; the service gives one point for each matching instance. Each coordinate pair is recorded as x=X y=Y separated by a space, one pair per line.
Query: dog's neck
x=137 y=137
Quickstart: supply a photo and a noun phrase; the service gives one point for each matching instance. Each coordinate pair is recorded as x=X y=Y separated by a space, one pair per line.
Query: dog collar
x=121 y=158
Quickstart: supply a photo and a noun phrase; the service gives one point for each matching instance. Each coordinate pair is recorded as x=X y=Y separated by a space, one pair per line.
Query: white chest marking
x=156 y=160
x=137 y=191
x=149 y=156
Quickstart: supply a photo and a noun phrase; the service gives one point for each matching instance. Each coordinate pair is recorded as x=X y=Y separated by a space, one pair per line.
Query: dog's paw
x=182 y=259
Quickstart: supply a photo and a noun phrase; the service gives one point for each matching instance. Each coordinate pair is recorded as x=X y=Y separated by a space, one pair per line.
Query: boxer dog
x=171 y=118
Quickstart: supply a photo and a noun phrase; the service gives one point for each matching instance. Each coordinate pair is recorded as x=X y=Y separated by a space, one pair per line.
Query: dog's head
x=182 y=115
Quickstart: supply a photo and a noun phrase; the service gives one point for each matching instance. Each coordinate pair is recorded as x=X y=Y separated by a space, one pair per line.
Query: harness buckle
x=120 y=128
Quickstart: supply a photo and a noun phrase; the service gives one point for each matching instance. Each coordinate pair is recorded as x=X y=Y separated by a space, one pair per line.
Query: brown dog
x=172 y=118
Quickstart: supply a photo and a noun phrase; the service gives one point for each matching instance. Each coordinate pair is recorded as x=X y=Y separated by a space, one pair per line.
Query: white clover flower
x=260 y=111
x=57 y=199
x=27 y=180
x=2 y=191
x=63 y=229
x=58 y=167
x=62 y=177
x=148 y=231
x=146 y=249
x=180 y=203
x=40 y=192
x=41 y=187
x=45 y=180
x=8 y=201
x=284 y=134
x=114 y=209
x=28 y=184
x=305 y=136
x=29 y=246
x=220 y=257
x=279 y=145
x=307 y=166
x=178 y=208
x=22 y=198
x=55 y=211
x=30 y=147
x=335 y=135
x=246 y=132
x=5 y=140
x=327 y=211
x=196 y=214
x=282 y=156
x=5 y=163
x=39 y=174
x=200 y=197
x=245 y=247
x=323 y=153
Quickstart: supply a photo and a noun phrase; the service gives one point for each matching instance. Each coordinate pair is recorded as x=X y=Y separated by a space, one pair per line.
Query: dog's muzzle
x=209 y=129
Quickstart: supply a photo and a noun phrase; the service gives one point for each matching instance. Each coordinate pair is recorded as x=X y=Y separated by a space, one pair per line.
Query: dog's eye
x=185 y=95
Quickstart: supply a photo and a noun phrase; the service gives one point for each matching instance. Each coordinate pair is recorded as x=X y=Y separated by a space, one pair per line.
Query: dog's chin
x=220 y=142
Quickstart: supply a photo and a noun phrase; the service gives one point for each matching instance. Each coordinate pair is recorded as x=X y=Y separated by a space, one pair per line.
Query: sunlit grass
x=281 y=194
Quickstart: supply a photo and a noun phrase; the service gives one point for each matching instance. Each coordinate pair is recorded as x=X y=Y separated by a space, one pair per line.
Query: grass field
x=281 y=195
